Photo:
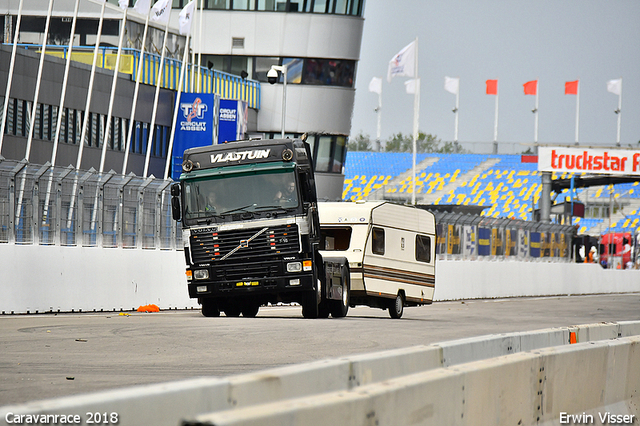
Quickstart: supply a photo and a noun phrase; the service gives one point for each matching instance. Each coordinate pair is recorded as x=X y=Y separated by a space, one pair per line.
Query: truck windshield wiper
x=243 y=209
x=273 y=207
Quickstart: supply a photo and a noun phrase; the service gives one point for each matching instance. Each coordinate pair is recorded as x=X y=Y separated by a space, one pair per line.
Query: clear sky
x=514 y=41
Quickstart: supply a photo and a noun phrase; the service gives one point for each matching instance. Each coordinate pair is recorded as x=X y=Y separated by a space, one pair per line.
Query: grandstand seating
x=505 y=185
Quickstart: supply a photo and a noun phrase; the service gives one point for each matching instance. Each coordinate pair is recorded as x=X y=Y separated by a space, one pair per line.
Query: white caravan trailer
x=390 y=249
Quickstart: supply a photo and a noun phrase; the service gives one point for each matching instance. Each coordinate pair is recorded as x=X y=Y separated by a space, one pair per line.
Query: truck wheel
x=210 y=308
x=250 y=309
x=310 y=305
x=323 y=309
x=232 y=308
x=339 y=308
x=396 y=307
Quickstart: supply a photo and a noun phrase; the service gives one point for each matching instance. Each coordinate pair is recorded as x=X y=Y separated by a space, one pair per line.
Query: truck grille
x=245 y=245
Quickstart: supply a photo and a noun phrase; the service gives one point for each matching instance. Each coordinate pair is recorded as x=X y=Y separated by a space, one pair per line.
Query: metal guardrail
x=470 y=237
x=44 y=205
x=228 y=86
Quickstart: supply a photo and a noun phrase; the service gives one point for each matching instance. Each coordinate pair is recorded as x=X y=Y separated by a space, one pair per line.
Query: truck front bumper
x=293 y=283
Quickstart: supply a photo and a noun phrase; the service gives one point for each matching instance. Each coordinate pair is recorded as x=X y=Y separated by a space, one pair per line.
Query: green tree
x=360 y=143
x=426 y=143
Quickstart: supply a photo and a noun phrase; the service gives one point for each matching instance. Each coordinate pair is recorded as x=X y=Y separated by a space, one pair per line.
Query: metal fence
x=45 y=205
x=472 y=237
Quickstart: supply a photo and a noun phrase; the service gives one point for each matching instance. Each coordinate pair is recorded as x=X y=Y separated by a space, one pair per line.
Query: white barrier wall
x=485 y=378
x=54 y=278
x=457 y=279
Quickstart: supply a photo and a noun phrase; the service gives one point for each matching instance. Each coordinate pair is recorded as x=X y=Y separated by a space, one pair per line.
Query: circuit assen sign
x=590 y=161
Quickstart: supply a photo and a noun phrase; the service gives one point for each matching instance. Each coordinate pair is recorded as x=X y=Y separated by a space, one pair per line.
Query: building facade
x=317 y=40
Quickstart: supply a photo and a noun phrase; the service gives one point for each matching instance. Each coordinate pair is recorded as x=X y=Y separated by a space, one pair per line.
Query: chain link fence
x=472 y=237
x=45 y=205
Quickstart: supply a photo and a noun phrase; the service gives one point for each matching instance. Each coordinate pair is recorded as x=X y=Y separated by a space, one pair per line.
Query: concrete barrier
x=538 y=387
x=66 y=279
x=492 y=279
x=168 y=403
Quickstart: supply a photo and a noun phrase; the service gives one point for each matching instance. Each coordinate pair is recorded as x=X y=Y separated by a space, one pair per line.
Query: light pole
x=272 y=77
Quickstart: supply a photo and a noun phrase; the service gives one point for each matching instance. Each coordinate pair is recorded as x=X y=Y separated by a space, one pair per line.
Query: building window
x=423 y=248
x=377 y=241
x=338 y=7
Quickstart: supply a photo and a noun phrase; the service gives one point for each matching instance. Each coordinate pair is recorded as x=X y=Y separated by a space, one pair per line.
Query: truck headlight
x=201 y=274
x=294 y=267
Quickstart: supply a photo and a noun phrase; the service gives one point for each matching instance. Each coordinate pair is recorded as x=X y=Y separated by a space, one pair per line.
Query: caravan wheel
x=396 y=308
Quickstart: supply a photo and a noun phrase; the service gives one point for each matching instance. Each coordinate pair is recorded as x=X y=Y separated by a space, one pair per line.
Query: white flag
x=452 y=85
x=124 y=4
x=142 y=6
x=375 y=85
x=403 y=63
x=161 y=10
x=411 y=86
x=615 y=86
x=185 y=18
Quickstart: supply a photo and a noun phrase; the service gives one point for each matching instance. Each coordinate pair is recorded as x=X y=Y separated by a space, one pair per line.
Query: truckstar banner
x=194 y=126
x=591 y=161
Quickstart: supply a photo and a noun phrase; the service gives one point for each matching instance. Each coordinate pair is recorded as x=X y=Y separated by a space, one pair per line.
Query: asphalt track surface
x=51 y=355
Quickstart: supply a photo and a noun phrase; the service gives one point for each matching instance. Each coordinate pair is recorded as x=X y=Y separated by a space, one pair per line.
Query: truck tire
x=396 y=307
x=250 y=309
x=210 y=308
x=310 y=308
x=232 y=308
x=339 y=308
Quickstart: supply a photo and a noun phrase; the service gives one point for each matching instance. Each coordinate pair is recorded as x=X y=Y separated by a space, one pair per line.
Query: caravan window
x=377 y=241
x=423 y=248
x=335 y=238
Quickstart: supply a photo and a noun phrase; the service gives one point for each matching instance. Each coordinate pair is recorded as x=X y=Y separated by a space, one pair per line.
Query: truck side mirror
x=175 y=190
x=175 y=207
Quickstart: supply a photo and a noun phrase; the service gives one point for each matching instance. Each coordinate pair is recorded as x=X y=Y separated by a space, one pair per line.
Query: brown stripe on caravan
x=416 y=278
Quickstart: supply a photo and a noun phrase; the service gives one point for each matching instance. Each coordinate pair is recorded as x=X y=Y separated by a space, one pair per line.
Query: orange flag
x=531 y=87
x=571 y=87
x=492 y=87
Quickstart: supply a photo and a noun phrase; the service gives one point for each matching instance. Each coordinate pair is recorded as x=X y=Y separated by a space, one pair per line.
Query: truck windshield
x=218 y=198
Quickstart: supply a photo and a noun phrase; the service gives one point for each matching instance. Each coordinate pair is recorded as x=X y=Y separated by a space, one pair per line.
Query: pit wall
x=515 y=378
x=36 y=279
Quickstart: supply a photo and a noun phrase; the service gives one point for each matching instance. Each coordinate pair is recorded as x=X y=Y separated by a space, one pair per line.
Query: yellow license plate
x=247 y=283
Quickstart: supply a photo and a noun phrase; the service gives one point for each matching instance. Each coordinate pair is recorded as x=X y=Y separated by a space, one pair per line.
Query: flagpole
x=379 y=126
x=63 y=93
x=200 y=47
x=578 y=113
x=135 y=96
x=34 y=107
x=535 y=111
x=175 y=110
x=495 y=123
x=455 y=134
x=85 y=121
x=114 y=83
x=416 y=113
x=619 y=112
x=155 y=102
x=38 y=82
x=5 y=106
x=193 y=55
